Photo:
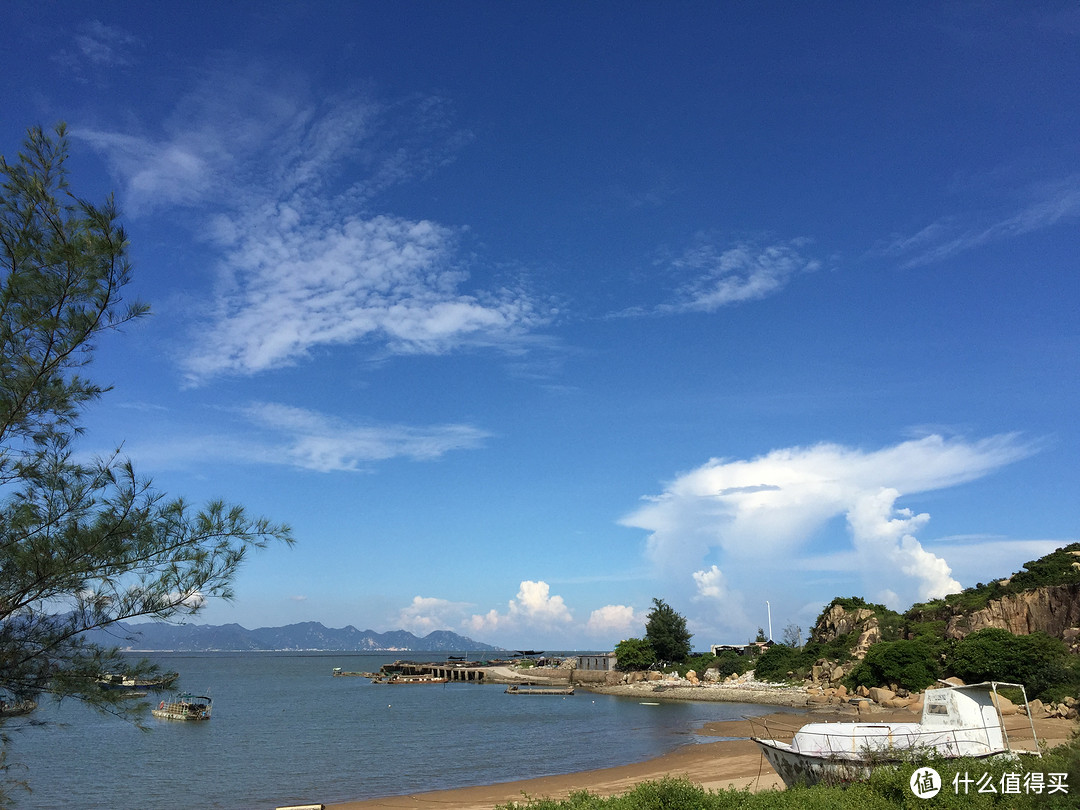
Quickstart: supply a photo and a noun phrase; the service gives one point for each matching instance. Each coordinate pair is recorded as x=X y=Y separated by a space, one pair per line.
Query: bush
x=776 y=662
x=909 y=664
x=1039 y=662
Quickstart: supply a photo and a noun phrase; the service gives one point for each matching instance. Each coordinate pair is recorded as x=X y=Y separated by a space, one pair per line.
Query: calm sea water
x=285 y=731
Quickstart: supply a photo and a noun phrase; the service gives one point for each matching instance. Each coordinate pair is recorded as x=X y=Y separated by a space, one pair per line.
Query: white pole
x=769 y=608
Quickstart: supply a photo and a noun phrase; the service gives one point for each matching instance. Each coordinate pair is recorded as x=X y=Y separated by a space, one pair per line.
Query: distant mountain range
x=161 y=637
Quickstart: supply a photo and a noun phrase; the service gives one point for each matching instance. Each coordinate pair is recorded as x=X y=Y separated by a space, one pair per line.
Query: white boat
x=957 y=721
x=185 y=706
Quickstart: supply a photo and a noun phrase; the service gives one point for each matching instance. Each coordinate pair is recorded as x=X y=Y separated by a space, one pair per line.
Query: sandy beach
x=717 y=765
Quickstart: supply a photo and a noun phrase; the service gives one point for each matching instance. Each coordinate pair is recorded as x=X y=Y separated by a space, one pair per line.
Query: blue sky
x=524 y=314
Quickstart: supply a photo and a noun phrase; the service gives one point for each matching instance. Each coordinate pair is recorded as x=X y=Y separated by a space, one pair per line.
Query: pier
x=451 y=671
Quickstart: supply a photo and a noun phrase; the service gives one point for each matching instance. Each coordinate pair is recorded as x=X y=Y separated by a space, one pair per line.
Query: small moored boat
x=185 y=706
x=957 y=721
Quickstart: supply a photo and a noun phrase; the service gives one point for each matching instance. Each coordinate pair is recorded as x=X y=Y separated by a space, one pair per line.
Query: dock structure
x=451 y=671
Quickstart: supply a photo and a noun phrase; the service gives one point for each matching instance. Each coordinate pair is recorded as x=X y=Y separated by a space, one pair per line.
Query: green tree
x=82 y=544
x=634 y=654
x=666 y=631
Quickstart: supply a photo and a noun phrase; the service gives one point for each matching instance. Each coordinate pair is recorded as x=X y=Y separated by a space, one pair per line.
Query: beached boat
x=539 y=690
x=184 y=706
x=957 y=721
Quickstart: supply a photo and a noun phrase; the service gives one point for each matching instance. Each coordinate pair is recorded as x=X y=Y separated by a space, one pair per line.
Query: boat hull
x=796 y=768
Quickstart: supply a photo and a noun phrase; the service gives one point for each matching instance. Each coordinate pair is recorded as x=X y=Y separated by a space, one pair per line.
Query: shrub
x=1037 y=661
x=776 y=662
x=909 y=664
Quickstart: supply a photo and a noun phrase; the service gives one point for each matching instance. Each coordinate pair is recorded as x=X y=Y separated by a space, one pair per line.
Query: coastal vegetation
x=887 y=789
x=666 y=642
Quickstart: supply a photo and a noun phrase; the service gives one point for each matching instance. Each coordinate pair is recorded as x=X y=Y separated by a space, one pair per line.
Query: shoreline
x=732 y=762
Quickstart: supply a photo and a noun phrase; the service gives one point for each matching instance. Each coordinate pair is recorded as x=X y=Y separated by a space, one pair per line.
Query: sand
x=717 y=765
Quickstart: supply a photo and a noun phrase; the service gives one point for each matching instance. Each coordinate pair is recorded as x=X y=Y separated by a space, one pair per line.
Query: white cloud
x=303 y=263
x=737 y=273
x=275 y=433
x=1044 y=205
x=190 y=601
x=885 y=538
x=619 y=620
x=758 y=514
x=533 y=608
x=315 y=441
x=426 y=614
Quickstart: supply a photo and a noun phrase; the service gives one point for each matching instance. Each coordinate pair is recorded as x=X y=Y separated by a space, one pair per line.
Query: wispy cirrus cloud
x=302 y=262
x=96 y=46
x=284 y=435
x=732 y=274
x=1043 y=206
x=716 y=273
x=315 y=441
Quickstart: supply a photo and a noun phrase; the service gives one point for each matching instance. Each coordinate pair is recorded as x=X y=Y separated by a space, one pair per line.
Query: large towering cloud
x=758 y=515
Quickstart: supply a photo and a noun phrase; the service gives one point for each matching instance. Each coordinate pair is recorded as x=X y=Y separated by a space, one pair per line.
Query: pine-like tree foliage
x=666 y=632
x=82 y=544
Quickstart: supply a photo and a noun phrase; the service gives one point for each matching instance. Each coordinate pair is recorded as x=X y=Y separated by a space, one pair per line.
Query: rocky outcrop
x=838 y=621
x=1053 y=609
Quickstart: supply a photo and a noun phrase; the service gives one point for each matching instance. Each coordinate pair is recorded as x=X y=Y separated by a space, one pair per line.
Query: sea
x=285 y=731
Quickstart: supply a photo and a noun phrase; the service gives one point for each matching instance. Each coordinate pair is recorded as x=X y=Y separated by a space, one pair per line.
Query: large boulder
x=879 y=694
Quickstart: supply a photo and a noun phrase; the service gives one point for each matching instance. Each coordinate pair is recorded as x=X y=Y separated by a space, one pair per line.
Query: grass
x=888 y=789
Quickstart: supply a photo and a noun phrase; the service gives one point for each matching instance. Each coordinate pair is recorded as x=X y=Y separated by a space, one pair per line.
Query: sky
x=523 y=315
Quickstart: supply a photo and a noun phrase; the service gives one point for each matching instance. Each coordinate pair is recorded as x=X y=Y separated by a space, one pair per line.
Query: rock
x=862 y=692
x=954 y=681
x=712 y=675
x=838 y=621
x=1005 y=706
x=1035 y=708
x=654 y=676
x=879 y=695
x=815 y=673
x=841 y=690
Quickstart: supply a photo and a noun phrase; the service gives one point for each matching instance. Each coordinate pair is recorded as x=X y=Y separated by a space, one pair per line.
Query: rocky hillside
x=1043 y=596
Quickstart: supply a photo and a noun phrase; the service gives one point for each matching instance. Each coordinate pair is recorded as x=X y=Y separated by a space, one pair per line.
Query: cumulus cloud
x=427 y=613
x=620 y=620
x=752 y=513
x=303 y=263
x=533 y=607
